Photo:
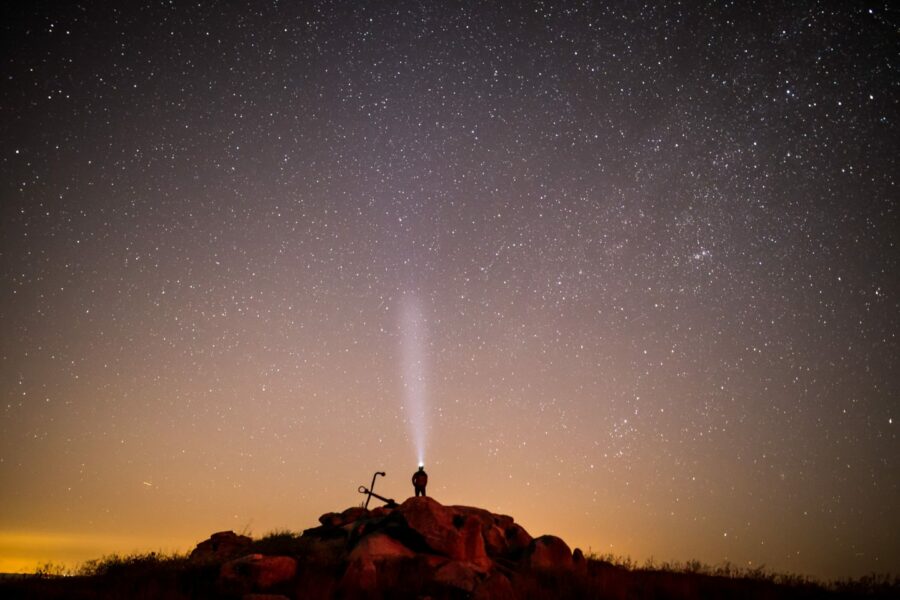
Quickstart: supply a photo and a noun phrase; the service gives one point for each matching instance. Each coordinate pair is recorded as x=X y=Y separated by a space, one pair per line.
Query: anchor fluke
x=369 y=492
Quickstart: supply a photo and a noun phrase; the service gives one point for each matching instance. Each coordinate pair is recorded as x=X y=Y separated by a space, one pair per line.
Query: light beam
x=413 y=340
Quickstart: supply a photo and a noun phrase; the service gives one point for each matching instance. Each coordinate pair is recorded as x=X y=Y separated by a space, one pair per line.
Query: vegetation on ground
x=176 y=577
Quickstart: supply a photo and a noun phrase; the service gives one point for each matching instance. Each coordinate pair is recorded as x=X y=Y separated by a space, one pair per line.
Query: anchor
x=389 y=502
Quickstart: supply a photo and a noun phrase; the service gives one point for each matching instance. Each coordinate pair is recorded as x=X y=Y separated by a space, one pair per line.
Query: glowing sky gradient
x=647 y=254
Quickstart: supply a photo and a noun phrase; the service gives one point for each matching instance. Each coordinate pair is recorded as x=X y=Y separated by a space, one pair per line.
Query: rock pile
x=417 y=549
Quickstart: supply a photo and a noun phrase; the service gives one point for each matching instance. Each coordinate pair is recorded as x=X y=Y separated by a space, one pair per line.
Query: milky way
x=653 y=246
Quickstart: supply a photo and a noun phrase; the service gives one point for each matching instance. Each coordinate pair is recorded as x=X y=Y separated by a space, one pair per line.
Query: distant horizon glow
x=415 y=403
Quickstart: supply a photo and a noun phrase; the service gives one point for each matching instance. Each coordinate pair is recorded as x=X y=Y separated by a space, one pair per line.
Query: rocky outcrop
x=448 y=531
x=221 y=546
x=550 y=553
x=419 y=548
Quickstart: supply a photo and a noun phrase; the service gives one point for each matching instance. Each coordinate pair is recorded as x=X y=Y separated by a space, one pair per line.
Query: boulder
x=502 y=540
x=380 y=512
x=494 y=541
x=367 y=558
x=360 y=577
x=492 y=528
x=579 y=562
x=503 y=537
x=495 y=587
x=346 y=517
x=446 y=530
x=517 y=540
x=549 y=552
x=257 y=572
x=330 y=519
x=459 y=575
x=471 y=546
x=378 y=547
x=353 y=514
x=220 y=546
x=429 y=519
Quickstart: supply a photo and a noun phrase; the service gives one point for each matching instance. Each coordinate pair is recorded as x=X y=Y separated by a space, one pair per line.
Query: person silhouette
x=419 y=481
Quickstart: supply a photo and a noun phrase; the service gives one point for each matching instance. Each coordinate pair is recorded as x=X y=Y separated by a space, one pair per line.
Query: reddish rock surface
x=348 y=517
x=454 y=531
x=549 y=552
x=257 y=572
x=379 y=547
x=459 y=575
x=421 y=546
x=495 y=587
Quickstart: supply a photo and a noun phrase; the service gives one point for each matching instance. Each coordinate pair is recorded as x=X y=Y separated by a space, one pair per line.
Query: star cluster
x=653 y=246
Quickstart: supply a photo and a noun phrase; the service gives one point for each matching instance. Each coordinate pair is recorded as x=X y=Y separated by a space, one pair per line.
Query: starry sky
x=625 y=271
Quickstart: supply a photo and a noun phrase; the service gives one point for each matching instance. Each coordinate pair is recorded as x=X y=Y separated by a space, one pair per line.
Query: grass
x=139 y=576
x=621 y=577
x=604 y=577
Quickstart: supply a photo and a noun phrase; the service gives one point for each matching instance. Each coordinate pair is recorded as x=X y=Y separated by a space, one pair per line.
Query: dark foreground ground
x=151 y=577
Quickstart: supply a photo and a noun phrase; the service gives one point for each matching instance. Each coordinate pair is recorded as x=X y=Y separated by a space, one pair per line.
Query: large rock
x=447 y=530
x=495 y=587
x=472 y=542
x=221 y=546
x=349 y=516
x=549 y=552
x=367 y=558
x=429 y=519
x=379 y=547
x=381 y=511
x=459 y=575
x=331 y=519
x=503 y=537
x=360 y=577
x=257 y=572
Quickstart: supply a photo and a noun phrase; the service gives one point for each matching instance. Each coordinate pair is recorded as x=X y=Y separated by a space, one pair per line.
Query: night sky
x=628 y=273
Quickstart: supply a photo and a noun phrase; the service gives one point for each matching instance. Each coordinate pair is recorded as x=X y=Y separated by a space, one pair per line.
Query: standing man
x=420 y=480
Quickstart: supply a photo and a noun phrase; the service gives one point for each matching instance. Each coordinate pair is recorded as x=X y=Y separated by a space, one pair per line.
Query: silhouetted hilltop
x=419 y=549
